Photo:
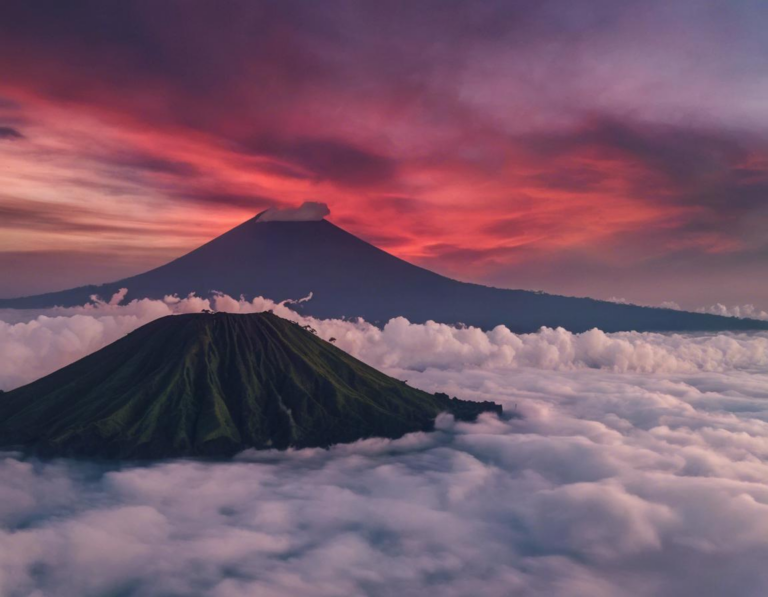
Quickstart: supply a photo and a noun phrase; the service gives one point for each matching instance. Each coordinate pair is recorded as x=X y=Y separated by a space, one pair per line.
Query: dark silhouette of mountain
x=213 y=385
x=351 y=278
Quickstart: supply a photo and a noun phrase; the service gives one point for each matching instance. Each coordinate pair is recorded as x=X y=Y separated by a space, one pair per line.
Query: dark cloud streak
x=8 y=133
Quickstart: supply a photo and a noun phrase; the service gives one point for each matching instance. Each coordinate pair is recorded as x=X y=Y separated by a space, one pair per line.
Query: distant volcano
x=213 y=385
x=351 y=278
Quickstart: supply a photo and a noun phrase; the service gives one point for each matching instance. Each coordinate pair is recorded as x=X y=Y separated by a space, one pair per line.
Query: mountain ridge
x=214 y=385
x=352 y=278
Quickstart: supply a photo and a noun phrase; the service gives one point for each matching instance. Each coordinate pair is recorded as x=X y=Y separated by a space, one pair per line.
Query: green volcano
x=213 y=385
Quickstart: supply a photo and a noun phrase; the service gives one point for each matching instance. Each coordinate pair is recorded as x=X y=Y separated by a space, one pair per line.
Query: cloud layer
x=637 y=469
x=33 y=344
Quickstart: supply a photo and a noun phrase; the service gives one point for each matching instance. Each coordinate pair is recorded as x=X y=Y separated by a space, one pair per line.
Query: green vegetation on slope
x=212 y=385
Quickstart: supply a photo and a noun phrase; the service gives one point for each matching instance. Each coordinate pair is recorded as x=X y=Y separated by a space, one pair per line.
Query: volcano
x=214 y=385
x=349 y=277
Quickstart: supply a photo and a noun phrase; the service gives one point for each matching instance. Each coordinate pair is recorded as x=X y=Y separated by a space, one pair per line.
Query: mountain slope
x=214 y=385
x=351 y=278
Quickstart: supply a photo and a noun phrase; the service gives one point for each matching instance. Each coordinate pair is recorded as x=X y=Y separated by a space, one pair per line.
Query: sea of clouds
x=742 y=311
x=637 y=467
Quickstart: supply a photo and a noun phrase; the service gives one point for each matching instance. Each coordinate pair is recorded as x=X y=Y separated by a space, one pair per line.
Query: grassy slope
x=214 y=385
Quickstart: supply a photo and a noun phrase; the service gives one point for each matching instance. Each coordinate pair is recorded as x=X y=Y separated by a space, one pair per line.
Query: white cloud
x=639 y=468
x=309 y=211
x=744 y=311
x=38 y=344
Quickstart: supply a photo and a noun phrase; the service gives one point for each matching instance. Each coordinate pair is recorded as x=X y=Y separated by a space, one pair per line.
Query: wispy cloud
x=8 y=133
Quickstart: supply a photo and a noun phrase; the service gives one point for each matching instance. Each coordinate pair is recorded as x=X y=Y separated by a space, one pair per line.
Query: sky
x=591 y=148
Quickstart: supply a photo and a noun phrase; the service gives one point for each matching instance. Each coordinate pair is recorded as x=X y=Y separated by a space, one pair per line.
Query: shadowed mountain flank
x=349 y=277
x=213 y=385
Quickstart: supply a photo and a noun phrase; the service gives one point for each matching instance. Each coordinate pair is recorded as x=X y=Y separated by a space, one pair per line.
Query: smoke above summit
x=309 y=211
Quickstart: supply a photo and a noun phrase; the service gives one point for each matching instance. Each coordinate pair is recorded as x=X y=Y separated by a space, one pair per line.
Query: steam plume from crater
x=309 y=211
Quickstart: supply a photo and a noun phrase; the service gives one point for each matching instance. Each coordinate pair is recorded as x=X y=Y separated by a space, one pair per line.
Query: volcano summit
x=281 y=259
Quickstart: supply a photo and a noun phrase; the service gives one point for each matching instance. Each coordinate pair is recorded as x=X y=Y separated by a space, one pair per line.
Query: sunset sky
x=601 y=148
